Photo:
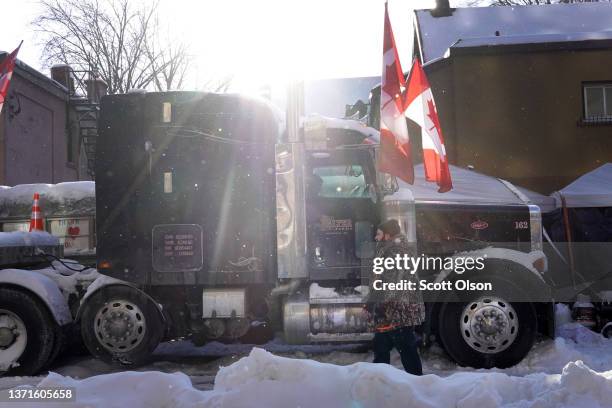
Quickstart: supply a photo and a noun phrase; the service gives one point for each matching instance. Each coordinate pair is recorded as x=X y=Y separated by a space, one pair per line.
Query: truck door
x=342 y=211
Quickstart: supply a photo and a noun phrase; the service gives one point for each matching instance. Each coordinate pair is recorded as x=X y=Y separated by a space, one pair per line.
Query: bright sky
x=262 y=42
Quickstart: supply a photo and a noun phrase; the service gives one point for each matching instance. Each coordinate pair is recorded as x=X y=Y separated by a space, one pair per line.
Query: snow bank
x=262 y=379
x=316 y=120
x=317 y=292
x=574 y=343
x=23 y=193
x=129 y=389
x=19 y=238
x=575 y=370
x=63 y=199
x=282 y=382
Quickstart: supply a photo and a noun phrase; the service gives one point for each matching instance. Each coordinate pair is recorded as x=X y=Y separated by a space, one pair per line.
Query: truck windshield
x=341 y=181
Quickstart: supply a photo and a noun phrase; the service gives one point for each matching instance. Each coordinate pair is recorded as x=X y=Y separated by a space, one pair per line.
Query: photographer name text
x=410 y=264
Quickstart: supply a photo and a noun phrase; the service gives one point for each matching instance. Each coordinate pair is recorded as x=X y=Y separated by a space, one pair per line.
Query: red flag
x=6 y=72
x=395 y=157
x=420 y=107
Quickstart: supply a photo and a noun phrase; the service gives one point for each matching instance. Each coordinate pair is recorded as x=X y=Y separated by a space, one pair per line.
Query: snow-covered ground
x=575 y=370
x=21 y=238
x=22 y=193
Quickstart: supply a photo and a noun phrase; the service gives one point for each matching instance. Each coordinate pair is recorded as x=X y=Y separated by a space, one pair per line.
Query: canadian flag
x=6 y=72
x=421 y=108
x=394 y=157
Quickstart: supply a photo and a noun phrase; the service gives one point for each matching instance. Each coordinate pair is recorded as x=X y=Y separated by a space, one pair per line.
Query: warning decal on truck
x=177 y=247
x=331 y=224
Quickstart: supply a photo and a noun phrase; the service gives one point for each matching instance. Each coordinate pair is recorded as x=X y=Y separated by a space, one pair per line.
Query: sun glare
x=268 y=43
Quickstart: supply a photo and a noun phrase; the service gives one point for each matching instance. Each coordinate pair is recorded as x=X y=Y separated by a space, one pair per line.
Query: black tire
x=258 y=335
x=40 y=330
x=449 y=332
x=514 y=286
x=107 y=297
x=59 y=345
x=73 y=340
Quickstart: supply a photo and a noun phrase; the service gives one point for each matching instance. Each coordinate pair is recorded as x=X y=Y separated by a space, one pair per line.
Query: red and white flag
x=421 y=108
x=394 y=157
x=6 y=72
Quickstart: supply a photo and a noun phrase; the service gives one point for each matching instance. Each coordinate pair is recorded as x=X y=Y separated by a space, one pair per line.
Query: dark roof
x=436 y=35
x=532 y=43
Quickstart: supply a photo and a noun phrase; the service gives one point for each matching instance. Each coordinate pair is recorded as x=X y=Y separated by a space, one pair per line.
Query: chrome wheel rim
x=13 y=338
x=489 y=325
x=120 y=326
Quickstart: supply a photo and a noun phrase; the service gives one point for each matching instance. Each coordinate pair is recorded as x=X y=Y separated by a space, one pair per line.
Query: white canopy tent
x=593 y=189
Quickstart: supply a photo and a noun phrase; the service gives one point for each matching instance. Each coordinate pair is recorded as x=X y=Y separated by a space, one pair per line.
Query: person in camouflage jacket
x=392 y=315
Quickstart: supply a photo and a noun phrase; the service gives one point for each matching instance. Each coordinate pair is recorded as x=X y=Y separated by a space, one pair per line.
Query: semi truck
x=215 y=215
x=39 y=297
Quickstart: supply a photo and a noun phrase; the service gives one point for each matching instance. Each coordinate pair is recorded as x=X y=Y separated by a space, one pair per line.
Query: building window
x=598 y=102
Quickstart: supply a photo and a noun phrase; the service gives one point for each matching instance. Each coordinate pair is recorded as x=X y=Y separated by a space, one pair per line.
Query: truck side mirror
x=388 y=183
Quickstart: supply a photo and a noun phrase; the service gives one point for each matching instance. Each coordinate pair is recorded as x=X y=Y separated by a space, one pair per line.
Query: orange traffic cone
x=36 y=221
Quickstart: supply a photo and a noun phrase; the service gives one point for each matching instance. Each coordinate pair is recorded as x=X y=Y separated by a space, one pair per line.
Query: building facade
x=527 y=113
x=40 y=136
x=523 y=93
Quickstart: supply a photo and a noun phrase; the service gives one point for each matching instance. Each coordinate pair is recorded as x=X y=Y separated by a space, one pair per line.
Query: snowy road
x=202 y=364
x=184 y=375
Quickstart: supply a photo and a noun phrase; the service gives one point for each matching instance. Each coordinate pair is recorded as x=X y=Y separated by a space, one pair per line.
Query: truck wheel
x=487 y=332
x=121 y=325
x=59 y=345
x=27 y=333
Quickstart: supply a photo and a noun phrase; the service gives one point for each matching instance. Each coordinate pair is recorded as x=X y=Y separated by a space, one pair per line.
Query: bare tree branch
x=118 y=41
